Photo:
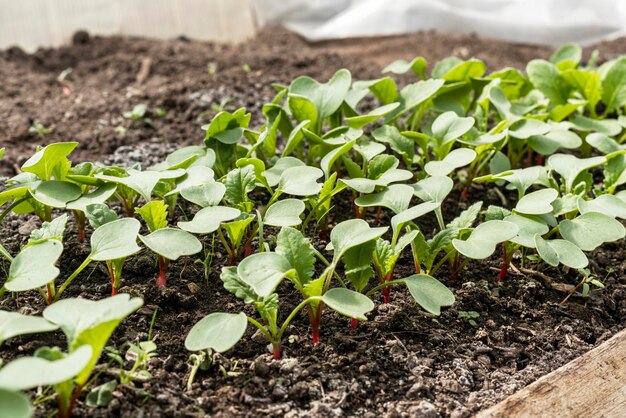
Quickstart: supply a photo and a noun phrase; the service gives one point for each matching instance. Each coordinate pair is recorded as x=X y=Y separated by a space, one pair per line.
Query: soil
x=403 y=362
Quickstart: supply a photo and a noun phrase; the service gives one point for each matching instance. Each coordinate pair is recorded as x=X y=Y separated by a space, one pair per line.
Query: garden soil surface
x=403 y=362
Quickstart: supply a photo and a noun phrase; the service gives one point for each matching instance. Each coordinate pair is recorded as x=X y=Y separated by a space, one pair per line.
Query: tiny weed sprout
x=329 y=195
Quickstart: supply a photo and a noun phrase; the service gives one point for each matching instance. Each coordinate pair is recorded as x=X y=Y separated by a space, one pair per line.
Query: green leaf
x=414 y=95
x=227 y=128
x=568 y=52
x=195 y=176
x=31 y=372
x=154 y=214
x=457 y=158
x=591 y=230
x=217 y=331
x=264 y=271
x=557 y=251
x=116 y=239
x=205 y=195
x=526 y=128
x=239 y=182
x=350 y=233
x=429 y=292
x=482 y=242
x=329 y=159
x=606 y=204
x=14 y=405
x=348 y=302
x=433 y=189
x=570 y=167
x=585 y=82
x=296 y=248
x=545 y=76
x=49 y=159
x=326 y=97
x=360 y=121
x=462 y=70
x=99 y=214
x=520 y=179
x=101 y=395
x=417 y=65
x=142 y=182
x=13 y=324
x=236 y=229
x=172 y=243
x=87 y=322
x=300 y=181
x=529 y=226
x=608 y=127
x=448 y=127
x=603 y=143
x=467 y=218
x=550 y=142
x=397 y=198
x=34 y=266
x=357 y=262
x=98 y=196
x=537 y=203
x=272 y=175
x=49 y=230
x=614 y=85
x=284 y=213
x=209 y=219
x=56 y=193
x=402 y=218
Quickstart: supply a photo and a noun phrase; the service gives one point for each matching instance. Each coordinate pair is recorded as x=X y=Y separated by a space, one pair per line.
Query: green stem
x=5 y=253
x=384 y=285
x=261 y=327
x=294 y=312
x=69 y=280
x=439 y=215
x=10 y=208
x=443 y=260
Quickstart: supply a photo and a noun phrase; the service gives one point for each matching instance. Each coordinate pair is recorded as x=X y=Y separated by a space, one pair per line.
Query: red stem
x=315 y=324
x=378 y=215
x=248 y=250
x=354 y=323
x=162 y=280
x=464 y=194
x=112 y=275
x=276 y=350
x=505 y=264
x=454 y=273
x=387 y=290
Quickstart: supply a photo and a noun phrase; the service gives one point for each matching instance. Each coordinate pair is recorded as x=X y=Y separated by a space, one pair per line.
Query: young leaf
x=13 y=324
x=239 y=182
x=545 y=76
x=606 y=204
x=50 y=230
x=272 y=175
x=414 y=95
x=195 y=176
x=360 y=121
x=205 y=195
x=30 y=372
x=448 y=127
x=397 y=198
x=529 y=226
x=482 y=242
x=116 y=239
x=264 y=271
x=402 y=218
x=143 y=182
x=429 y=292
x=296 y=248
x=99 y=214
x=457 y=158
x=217 y=331
x=98 y=196
x=614 y=85
x=591 y=230
x=467 y=218
x=209 y=219
x=329 y=159
x=537 y=203
x=417 y=65
x=561 y=251
x=284 y=213
x=550 y=142
x=91 y=323
x=300 y=181
x=154 y=214
x=14 y=405
x=34 y=266
x=348 y=302
x=433 y=189
x=357 y=262
x=350 y=233
x=172 y=243
x=48 y=159
x=326 y=97
x=55 y=193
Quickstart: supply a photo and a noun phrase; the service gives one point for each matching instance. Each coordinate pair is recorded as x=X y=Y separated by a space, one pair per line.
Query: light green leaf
x=482 y=242
x=537 y=203
x=402 y=218
x=48 y=159
x=195 y=176
x=116 y=239
x=397 y=197
x=606 y=204
x=326 y=97
x=100 y=195
x=526 y=128
x=429 y=292
x=350 y=233
x=154 y=214
x=205 y=195
x=142 y=182
x=329 y=159
x=264 y=271
x=284 y=213
x=608 y=127
x=414 y=95
x=56 y=193
x=14 y=405
x=300 y=181
x=50 y=230
x=217 y=331
x=13 y=324
x=561 y=251
x=348 y=302
x=557 y=138
x=239 y=182
x=99 y=214
x=433 y=189
x=614 y=85
x=296 y=248
x=209 y=219
x=568 y=52
x=529 y=226
x=172 y=243
x=90 y=323
x=417 y=65
x=449 y=126
x=31 y=372
x=360 y=121
x=457 y=158
x=545 y=76
x=591 y=230
x=34 y=266
x=569 y=166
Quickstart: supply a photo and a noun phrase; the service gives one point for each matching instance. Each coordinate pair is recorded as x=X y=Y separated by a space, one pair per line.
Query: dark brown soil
x=403 y=362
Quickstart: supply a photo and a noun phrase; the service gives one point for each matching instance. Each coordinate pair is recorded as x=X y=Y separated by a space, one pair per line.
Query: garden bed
x=497 y=338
